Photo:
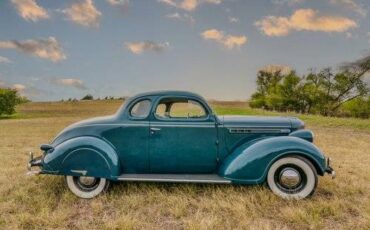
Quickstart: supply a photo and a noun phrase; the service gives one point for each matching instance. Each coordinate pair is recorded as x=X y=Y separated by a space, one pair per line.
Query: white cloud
x=287 y=2
x=30 y=10
x=142 y=46
x=70 y=82
x=43 y=48
x=120 y=3
x=174 y=15
x=24 y=90
x=181 y=17
x=83 y=13
x=233 y=19
x=304 y=19
x=169 y=2
x=273 y=68
x=4 y=60
x=229 y=41
x=19 y=87
x=214 y=1
x=351 y=5
x=234 y=41
x=188 y=5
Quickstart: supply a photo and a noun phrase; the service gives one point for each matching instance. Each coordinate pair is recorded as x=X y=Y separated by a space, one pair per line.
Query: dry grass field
x=44 y=202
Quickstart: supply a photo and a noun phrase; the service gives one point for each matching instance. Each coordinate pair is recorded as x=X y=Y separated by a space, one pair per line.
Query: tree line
x=89 y=97
x=344 y=92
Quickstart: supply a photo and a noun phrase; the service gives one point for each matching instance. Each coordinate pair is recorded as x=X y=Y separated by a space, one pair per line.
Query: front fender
x=88 y=156
x=250 y=162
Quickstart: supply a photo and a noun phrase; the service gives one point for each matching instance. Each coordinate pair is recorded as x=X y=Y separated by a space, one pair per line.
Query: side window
x=181 y=108
x=161 y=110
x=141 y=109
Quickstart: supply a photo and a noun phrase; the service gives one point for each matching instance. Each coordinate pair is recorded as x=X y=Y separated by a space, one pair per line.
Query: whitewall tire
x=87 y=187
x=292 y=177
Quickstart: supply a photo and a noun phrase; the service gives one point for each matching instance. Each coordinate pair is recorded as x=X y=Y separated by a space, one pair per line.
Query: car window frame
x=201 y=103
x=133 y=103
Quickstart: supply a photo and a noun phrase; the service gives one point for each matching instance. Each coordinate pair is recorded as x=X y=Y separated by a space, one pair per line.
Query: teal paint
x=239 y=148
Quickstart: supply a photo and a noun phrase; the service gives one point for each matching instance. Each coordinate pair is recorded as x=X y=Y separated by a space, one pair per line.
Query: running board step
x=178 y=178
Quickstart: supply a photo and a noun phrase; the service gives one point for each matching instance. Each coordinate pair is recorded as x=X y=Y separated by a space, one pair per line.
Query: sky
x=53 y=50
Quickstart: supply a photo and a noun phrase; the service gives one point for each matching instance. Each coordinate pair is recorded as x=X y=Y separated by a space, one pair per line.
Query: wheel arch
x=85 y=155
x=249 y=163
x=320 y=171
x=312 y=160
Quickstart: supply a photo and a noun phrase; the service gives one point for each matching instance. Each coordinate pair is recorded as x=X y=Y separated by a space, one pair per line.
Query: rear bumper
x=329 y=169
x=34 y=162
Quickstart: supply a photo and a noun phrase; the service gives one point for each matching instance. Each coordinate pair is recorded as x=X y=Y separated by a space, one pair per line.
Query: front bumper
x=329 y=169
x=34 y=162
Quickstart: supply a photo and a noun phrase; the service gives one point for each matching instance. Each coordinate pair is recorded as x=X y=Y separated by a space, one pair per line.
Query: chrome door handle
x=153 y=130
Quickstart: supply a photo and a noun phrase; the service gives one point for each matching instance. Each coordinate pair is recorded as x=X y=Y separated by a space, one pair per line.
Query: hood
x=261 y=122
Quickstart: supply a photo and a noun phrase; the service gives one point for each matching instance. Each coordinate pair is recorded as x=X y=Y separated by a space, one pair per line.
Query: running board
x=177 y=178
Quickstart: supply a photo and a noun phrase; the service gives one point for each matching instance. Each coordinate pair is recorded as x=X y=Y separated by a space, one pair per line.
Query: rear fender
x=249 y=163
x=88 y=156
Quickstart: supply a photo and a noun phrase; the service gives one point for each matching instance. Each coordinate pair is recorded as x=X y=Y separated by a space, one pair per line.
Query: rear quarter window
x=141 y=109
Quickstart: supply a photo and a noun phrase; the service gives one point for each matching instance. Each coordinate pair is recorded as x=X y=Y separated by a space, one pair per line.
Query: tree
x=8 y=101
x=290 y=93
x=324 y=92
x=88 y=97
x=332 y=90
x=266 y=87
x=350 y=82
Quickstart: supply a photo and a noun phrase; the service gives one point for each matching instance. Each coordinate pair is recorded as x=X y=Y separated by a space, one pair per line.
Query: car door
x=183 y=137
x=132 y=137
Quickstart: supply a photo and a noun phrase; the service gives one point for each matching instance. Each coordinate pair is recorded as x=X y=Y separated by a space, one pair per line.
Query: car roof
x=168 y=93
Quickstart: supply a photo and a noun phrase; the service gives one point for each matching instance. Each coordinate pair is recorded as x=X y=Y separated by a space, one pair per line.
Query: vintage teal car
x=174 y=136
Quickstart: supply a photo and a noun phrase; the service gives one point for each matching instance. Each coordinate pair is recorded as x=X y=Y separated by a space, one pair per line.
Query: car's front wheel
x=87 y=187
x=292 y=177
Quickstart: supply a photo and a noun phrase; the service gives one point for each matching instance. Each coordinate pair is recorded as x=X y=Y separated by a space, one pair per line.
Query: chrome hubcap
x=289 y=178
x=86 y=180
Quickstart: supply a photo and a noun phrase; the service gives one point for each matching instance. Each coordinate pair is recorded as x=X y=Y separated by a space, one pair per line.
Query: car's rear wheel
x=87 y=187
x=292 y=177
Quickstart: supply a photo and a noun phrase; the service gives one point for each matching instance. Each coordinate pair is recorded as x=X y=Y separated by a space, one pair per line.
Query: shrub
x=359 y=107
x=88 y=97
x=8 y=101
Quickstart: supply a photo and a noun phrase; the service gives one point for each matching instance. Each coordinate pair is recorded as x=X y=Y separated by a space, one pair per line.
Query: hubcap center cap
x=85 y=180
x=290 y=177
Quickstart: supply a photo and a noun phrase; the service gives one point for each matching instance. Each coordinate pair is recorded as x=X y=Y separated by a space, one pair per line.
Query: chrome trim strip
x=182 y=123
x=174 y=178
x=243 y=130
x=155 y=124
x=256 y=127
x=83 y=172
x=118 y=124
x=186 y=126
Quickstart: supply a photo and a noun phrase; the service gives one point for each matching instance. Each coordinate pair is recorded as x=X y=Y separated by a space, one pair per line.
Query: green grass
x=87 y=108
x=330 y=122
